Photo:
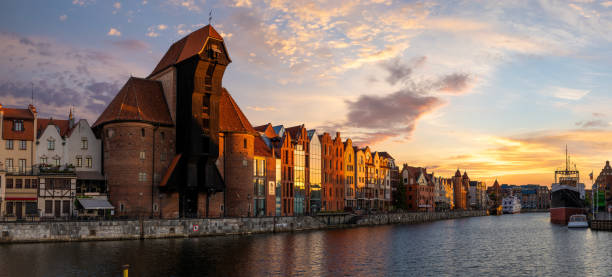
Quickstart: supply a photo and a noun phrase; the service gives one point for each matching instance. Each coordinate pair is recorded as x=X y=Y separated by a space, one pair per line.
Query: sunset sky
x=497 y=89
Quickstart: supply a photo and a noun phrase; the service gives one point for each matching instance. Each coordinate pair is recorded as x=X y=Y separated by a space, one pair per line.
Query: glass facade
x=315 y=174
x=278 y=187
x=299 y=180
x=259 y=187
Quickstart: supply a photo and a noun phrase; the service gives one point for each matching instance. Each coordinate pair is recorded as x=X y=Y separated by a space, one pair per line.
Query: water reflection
x=516 y=245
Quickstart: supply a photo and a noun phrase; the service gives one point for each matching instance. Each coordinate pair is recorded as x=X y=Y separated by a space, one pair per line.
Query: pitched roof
x=62 y=124
x=261 y=149
x=458 y=173
x=385 y=154
x=138 y=100
x=186 y=48
x=295 y=131
x=231 y=118
x=17 y=113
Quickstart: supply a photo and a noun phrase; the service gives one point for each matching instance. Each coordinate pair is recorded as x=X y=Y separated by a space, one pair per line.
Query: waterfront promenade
x=508 y=245
x=159 y=228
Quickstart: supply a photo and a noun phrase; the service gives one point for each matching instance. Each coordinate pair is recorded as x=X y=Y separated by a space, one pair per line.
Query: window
x=162 y=135
x=48 y=206
x=9 y=208
x=142 y=177
x=18 y=183
x=18 y=125
x=27 y=184
x=9 y=165
x=56 y=161
x=23 y=145
x=9 y=144
x=110 y=132
x=245 y=143
x=66 y=206
x=142 y=155
x=84 y=143
x=22 y=165
x=43 y=160
x=121 y=207
x=88 y=162
x=9 y=183
x=51 y=144
x=79 y=162
x=34 y=183
x=142 y=132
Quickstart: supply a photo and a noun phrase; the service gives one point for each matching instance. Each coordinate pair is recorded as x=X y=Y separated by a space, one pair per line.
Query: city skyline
x=424 y=81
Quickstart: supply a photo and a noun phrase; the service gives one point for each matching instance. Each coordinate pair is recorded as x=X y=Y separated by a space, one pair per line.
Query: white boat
x=511 y=205
x=578 y=221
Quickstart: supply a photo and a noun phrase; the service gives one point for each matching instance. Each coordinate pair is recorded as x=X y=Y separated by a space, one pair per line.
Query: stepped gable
x=62 y=124
x=187 y=47
x=295 y=131
x=231 y=118
x=458 y=173
x=139 y=100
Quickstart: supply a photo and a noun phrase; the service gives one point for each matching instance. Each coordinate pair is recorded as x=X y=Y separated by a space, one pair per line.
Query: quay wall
x=15 y=232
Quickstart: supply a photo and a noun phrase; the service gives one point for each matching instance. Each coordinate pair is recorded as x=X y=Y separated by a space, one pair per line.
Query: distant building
x=349 y=173
x=461 y=190
x=477 y=195
x=420 y=189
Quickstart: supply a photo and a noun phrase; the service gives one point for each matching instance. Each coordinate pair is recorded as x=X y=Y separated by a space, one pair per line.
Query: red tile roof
x=231 y=118
x=186 y=48
x=267 y=130
x=10 y=114
x=295 y=131
x=17 y=113
x=261 y=149
x=62 y=124
x=138 y=100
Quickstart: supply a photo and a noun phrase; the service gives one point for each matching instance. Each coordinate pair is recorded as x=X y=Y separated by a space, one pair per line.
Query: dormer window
x=84 y=145
x=18 y=125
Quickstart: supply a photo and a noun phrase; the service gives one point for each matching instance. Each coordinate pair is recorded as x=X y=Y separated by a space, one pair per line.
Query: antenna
x=32 y=83
x=566 y=159
x=209 y=16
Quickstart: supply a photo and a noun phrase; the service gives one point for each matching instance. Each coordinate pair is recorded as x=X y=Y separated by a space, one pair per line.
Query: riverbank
x=177 y=228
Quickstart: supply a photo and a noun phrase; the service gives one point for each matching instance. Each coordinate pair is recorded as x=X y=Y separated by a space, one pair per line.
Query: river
x=508 y=245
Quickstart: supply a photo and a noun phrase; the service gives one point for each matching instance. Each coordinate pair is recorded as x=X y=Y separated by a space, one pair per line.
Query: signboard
x=196 y=227
x=271 y=189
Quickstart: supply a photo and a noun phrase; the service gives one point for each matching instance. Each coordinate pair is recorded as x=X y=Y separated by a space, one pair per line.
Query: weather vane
x=210 y=17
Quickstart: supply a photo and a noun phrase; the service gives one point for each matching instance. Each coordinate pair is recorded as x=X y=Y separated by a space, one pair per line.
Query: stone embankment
x=178 y=228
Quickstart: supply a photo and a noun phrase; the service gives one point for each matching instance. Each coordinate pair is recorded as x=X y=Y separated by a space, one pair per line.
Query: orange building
x=300 y=143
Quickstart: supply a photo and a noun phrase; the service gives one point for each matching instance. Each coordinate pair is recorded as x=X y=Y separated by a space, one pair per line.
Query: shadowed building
x=176 y=143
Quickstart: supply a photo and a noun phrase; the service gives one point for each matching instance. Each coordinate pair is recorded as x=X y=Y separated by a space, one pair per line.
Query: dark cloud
x=592 y=123
x=455 y=83
x=399 y=71
x=131 y=45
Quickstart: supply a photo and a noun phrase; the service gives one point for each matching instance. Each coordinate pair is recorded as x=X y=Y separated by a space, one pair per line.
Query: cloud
x=592 y=123
x=162 y=27
x=399 y=71
x=566 y=93
x=114 y=32
x=117 y=5
x=606 y=4
x=131 y=44
x=455 y=83
x=190 y=5
x=63 y=17
x=83 y=3
x=243 y=3
x=261 y=109
x=62 y=75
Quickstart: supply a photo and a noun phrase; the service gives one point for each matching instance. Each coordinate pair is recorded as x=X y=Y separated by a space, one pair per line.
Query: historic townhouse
x=264 y=180
x=461 y=189
x=327 y=188
x=284 y=149
x=338 y=172
x=301 y=160
x=370 y=179
x=349 y=175
x=18 y=180
x=314 y=166
x=360 y=178
x=387 y=165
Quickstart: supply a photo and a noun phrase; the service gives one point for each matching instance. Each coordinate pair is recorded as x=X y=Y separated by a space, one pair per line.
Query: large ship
x=565 y=190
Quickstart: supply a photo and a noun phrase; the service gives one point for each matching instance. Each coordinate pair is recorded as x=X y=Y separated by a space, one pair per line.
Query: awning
x=89 y=175
x=95 y=204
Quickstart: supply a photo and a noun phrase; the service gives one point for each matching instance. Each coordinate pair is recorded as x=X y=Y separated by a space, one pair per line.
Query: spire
x=71 y=118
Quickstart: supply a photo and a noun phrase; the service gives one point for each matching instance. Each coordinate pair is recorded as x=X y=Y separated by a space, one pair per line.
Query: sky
x=497 y=88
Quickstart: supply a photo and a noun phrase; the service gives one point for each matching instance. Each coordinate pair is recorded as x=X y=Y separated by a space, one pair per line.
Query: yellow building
x=360 y=177
x=17 y=158
x=349 y=173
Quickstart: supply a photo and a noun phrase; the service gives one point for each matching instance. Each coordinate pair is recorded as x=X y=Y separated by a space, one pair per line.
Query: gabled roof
x=139 y=100
x=186 y=48
x=458 y=173
x=231 y=118
x=62 y=124
x=385 y=155
x=279 y=130
x=11 y=113
x=295 y=131
x=261 y=149
x=311 y=133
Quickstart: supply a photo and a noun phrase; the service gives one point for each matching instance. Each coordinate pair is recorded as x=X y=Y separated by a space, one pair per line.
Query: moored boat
x=578 y=221
x=565 y=194
x=511 y=205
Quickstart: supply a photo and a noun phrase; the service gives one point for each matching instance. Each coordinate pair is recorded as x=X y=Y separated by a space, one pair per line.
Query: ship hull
x=565 y=202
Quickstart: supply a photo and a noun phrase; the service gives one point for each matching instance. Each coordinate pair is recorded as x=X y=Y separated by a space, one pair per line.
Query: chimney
x=32 y=109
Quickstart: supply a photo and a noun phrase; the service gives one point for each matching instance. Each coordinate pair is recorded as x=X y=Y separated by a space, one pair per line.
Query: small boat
x=578 y=221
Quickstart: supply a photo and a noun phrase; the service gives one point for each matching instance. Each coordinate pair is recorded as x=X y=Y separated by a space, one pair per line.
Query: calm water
x=509 y=245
